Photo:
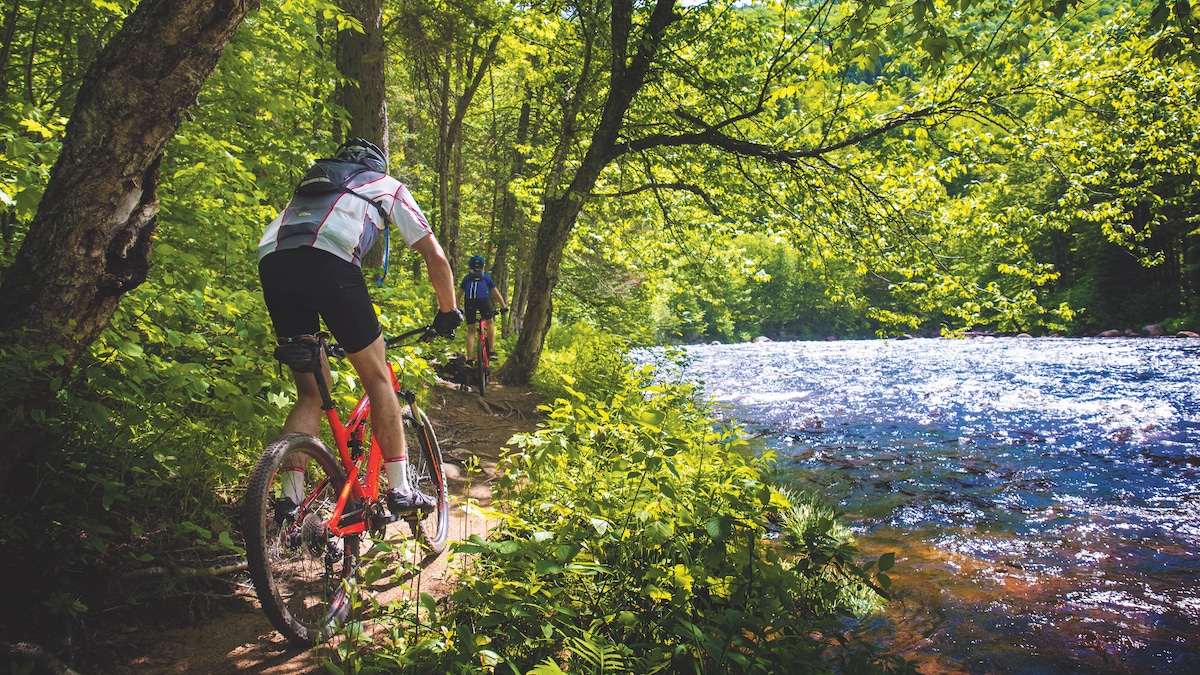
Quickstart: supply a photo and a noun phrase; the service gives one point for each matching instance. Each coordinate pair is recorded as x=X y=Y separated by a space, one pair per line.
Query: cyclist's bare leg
x=490 y=327
x=375 y=372
x=305 y=416
x=471 y=341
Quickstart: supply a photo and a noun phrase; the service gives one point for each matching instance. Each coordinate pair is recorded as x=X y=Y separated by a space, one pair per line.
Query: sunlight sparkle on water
x=1042 y=487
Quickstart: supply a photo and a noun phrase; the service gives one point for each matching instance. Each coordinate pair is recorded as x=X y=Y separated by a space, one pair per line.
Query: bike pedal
x=381 y=519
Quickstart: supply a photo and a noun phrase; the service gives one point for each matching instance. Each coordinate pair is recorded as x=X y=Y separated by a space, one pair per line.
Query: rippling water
x=1042 y=495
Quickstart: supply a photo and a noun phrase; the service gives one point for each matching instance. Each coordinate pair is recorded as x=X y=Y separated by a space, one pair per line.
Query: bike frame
x=482 y=344
x=348 y=437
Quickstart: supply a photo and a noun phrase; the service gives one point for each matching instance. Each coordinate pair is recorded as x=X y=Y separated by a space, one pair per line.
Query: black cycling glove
x=445 y=322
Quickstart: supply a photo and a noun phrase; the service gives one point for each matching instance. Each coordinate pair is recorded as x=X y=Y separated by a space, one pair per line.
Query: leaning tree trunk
x=558 y=219
x=89 y=243
x=626 y=78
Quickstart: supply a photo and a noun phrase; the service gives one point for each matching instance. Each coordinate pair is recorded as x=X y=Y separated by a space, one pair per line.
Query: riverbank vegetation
x=653 y=172
x=633 y=538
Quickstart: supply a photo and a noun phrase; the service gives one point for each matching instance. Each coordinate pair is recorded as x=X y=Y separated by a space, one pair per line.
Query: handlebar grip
x=422 y=334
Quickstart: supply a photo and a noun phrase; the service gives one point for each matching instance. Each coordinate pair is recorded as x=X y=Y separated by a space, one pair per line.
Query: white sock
x=397 y=473
x=293 y=483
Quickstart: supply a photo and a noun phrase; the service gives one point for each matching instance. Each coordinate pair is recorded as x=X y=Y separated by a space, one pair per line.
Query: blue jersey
x=477 y=287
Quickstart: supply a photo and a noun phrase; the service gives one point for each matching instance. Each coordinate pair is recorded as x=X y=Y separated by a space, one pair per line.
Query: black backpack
x=328 y=176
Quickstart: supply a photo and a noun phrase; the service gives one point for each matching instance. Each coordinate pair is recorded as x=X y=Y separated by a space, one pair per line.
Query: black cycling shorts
x=304 y=285
x=481 y=305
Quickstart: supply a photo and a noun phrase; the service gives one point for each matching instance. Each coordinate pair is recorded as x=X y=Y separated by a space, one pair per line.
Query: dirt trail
x=242 y=640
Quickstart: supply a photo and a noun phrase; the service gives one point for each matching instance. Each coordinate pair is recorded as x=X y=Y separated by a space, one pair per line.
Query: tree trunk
x=450 y=163
x=447 y=230
x=627 y=75
x=10 y=28
x=361 y=59
x=508 y=233
x=558 y=218
x=32 y=53
x=90 y=241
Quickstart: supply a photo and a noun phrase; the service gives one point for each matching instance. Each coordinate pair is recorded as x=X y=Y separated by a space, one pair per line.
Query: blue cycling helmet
x=476 y=261
x=363 y=152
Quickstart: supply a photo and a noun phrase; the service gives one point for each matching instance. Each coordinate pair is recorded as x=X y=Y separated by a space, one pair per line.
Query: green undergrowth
x=636 y=535
x=130 y=509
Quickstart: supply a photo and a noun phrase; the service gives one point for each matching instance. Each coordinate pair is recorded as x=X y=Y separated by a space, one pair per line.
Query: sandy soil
x=242 y=640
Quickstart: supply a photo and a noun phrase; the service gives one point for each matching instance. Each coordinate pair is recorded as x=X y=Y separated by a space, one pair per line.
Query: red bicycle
x=303 y=558
x=483 y=360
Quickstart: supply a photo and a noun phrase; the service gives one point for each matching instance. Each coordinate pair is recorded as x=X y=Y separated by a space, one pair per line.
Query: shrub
x=634 y=539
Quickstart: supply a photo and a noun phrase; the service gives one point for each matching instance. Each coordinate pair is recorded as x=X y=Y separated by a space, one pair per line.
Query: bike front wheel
x=428 y=474
x=302 y=574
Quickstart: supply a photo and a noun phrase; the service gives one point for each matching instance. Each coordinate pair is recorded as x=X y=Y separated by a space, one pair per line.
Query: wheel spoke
x=297 y=566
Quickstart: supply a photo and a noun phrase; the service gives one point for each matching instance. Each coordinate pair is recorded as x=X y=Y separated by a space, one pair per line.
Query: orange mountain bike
x=482 y=372
x=302 y=557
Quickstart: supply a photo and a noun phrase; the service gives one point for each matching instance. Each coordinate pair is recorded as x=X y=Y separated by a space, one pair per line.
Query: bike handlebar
x=425 y=333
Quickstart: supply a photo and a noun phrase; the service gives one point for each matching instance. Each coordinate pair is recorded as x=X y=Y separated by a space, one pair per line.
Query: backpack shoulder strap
x=378 y=207
x=326 y=176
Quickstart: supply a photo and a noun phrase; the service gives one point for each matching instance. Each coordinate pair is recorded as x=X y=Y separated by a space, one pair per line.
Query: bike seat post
x=319 y=374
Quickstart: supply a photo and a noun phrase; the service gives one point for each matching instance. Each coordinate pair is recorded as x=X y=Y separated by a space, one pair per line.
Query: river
x=1042 y=495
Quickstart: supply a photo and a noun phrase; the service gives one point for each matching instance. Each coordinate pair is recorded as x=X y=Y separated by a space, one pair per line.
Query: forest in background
x=1047 y=189
x=792 y=170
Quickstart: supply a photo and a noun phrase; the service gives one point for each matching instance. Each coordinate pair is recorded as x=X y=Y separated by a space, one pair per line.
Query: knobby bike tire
x=428 y=474
x=482 y=364
x=302 y=575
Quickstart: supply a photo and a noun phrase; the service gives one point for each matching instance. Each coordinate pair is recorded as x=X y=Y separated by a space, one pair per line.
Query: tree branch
x=712 y=137
x=686 y=187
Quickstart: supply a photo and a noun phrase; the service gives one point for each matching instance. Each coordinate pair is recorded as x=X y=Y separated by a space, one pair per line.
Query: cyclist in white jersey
x=309 y=261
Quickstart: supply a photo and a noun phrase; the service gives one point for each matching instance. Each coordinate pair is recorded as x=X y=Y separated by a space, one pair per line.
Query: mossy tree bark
x=89 y=243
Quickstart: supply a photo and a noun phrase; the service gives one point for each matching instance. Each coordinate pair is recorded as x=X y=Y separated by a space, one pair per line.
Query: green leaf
x=719 y=528
x=430 y=605
x=97 y=414
x=243 y=409
x=651 y=419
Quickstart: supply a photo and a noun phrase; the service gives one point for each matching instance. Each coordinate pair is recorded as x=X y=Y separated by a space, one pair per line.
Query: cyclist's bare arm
x=499 y=299
x=438 y=268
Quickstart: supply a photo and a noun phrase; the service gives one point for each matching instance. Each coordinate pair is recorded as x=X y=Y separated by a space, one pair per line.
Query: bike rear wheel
x=302 y=574
x=428 y=474
x=482 y=364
